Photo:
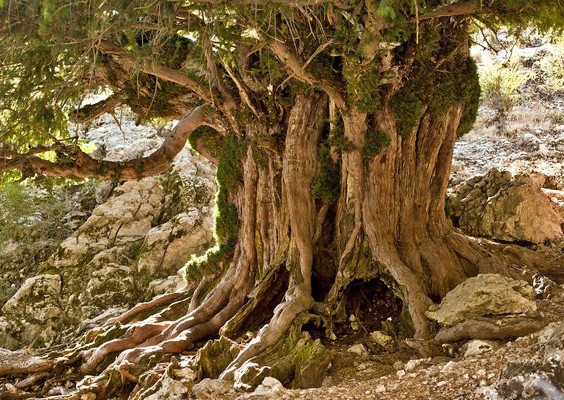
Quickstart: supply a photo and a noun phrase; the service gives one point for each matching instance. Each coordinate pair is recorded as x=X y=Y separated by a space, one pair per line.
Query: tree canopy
x=244 y=59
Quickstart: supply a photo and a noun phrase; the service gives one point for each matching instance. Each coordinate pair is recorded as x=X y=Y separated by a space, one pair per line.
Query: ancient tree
x=332 y=125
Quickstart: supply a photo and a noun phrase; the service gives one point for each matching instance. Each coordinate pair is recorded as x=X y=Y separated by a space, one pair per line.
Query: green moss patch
x=326 y=186
x=456 y=81
x=229 y=177
x=361 y=84
x=374 y=142
x=298 y=361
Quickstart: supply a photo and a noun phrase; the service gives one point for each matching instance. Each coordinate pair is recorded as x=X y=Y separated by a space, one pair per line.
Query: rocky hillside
x=128 y=249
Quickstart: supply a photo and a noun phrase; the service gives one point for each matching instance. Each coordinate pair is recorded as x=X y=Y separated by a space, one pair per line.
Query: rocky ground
x=490 y=369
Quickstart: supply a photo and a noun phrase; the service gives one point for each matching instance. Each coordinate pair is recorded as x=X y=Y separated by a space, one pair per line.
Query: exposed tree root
x=484 y=329
x=297 y=300
x=31 y=366
x=157 y=301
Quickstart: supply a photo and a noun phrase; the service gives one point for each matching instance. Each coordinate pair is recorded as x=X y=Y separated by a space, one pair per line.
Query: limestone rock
x=33 y=313
x=476 y=347
x=250 y=375
x=185 y=233
x=503 y=207
x=358 y=349
x=167 y=388
x=535 y=377
x=383 y=340
x=270 y=388
x=211 y=389
x=485 y=294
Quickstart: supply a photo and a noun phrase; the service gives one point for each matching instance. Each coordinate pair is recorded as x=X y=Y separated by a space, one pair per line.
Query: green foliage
x=396 y=14
x=500 y=85
x=32 y=213
x=150 y=97
x=374 y=143
x=552 y=67
x=173 y=52
x=6 y=291
x=195 y=269
x=361 y=84
x=16 y=211
x=544 y=15
x=268 y=70
x=229 y=177
x=326 y=186
x=386 y=11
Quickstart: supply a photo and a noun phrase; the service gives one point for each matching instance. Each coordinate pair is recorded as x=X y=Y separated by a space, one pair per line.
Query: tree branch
x=92 y=111
x=297 y=67
x=82 y=165
x=216 y=78
x=159 y=71
x=466 y=7
x=484 y=329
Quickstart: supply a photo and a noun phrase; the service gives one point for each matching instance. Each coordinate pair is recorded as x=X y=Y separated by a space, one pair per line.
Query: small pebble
x=449 y=366
x=398 y=365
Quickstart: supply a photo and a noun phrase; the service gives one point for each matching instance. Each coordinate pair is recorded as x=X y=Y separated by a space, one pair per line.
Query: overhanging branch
x=82 y=165
x=93 y=111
